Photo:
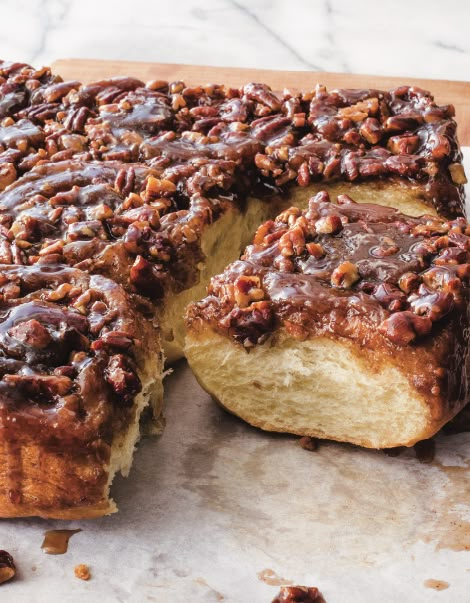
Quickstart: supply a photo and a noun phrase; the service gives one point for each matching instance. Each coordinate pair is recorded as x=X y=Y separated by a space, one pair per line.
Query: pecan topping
x=319 y=269
x=345 y=275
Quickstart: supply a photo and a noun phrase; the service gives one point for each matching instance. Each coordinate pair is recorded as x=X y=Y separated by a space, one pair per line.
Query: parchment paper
x=215 y=510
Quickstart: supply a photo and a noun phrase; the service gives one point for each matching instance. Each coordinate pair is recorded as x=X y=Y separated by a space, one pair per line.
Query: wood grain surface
x=87 y=70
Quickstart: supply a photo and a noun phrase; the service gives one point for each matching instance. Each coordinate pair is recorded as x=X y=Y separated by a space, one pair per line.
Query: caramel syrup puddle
x=436 y=584
x=56 y=542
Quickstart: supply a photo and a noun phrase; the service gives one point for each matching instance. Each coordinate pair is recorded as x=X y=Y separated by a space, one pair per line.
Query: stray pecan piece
x=7 y=567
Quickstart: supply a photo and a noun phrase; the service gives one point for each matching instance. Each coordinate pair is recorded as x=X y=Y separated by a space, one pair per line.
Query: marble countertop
x=423 y=38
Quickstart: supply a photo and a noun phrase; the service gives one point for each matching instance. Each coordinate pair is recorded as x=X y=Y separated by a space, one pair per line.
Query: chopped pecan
x=330 y=224
x=433 y=304
x=55 y=92
x=406 y=144
x=457 y=173
x=345 y=275
x=34 y=384
x=409 y=281
x=82 y=571
x=113 y=339
x=247 y=290
x=371 y=130
x=403 y=327
x=31 y=333
x=303 y=175
x=292 y=242
x=262 y=94
x=122 y=377
x=315 y=249
x=7 y=175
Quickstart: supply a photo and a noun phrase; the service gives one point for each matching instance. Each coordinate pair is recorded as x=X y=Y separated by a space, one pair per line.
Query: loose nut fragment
x=457 y=173
x=299 y=594
x=7 y=567
x=82 y=571
x=345 y=275
x=308 y=443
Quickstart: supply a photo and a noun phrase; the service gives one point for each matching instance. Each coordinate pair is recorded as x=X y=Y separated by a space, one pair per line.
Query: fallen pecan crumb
x=299 y=594
x=7 y=567
x=82 y=571
x=308 y=443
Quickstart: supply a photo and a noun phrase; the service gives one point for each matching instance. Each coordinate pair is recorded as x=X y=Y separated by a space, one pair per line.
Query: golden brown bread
x=346 y=322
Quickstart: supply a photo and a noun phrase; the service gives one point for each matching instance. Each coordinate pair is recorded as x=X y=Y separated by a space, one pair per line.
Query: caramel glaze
x=90 y=212
x=184 y=132
x=393 y=284
x=68 y=349
x=56 y=542
x=119 y=169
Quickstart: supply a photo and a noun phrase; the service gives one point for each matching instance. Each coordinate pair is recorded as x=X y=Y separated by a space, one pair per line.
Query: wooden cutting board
x=87 y=70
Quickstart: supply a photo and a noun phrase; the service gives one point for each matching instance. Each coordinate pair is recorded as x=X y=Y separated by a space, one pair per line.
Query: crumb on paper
x=299 y=594
x=82 y=571
x=436 y=584
x=308 y=443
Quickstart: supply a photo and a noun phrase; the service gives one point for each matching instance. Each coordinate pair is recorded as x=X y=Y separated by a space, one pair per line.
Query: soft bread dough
x=320 y=387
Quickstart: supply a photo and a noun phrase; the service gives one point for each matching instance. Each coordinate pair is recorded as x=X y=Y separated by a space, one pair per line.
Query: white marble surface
x=420 y=38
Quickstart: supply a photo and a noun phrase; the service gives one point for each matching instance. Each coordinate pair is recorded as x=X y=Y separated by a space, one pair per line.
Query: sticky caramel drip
x=56 y=541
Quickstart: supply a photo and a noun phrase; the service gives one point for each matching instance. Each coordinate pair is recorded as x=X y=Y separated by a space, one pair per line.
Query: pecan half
x=7 y=567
